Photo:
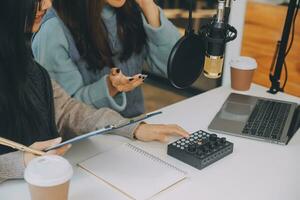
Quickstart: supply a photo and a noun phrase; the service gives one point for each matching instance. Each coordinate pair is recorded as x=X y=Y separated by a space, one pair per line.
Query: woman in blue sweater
x=87 y=50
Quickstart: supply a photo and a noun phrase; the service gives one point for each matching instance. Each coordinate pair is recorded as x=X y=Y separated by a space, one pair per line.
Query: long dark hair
x=18 y=114
x=84 y=20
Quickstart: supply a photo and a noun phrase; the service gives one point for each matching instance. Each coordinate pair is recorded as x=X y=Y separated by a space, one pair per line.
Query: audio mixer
x=200 y=149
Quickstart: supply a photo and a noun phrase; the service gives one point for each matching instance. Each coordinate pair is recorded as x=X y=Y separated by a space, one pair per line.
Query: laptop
x=257 y=118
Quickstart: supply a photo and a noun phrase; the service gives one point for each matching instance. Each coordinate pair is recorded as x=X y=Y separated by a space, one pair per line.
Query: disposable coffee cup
x=242 y=70
x=48 y=178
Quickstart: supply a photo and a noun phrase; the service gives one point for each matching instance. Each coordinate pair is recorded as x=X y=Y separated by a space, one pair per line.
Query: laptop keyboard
x=267 y=119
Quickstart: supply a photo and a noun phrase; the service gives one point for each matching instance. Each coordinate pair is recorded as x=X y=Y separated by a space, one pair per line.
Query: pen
x=20 y=147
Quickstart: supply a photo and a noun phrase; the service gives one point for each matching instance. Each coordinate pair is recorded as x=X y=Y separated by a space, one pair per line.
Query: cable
x=274 y=58
x=286 y=76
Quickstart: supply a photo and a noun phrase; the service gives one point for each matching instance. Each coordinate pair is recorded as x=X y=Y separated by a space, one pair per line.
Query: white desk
x=255 y=171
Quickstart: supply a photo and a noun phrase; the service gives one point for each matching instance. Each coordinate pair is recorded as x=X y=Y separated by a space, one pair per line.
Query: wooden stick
x=20 y=147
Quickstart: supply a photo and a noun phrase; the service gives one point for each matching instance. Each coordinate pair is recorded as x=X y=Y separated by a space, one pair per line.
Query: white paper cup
x=48 y=178
x=242 y=70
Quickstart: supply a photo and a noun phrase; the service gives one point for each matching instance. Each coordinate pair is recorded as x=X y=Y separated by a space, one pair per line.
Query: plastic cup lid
x=244 y=63
x=47 y=171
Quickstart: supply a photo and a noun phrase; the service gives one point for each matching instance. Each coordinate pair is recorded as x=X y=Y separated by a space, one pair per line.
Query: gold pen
x=20 y=147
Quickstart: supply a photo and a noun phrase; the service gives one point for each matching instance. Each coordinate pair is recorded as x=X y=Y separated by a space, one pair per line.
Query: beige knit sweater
x=72 y=118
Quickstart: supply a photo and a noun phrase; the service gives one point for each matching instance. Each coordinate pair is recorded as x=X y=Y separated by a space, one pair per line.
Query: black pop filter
x=186 y=61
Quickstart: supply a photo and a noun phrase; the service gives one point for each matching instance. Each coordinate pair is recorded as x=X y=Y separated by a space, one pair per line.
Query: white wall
x=233 y=50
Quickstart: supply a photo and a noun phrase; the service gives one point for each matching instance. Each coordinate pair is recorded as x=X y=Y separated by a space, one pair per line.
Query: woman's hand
x=44 y=145
x=151 y=12
x=118 y=82
x=158 y=132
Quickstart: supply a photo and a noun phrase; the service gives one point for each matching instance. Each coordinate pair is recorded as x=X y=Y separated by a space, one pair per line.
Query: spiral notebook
x=133 y=171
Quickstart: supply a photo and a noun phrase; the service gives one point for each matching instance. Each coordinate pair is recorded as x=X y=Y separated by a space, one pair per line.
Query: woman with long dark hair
x=81 y=45
x=35 y=111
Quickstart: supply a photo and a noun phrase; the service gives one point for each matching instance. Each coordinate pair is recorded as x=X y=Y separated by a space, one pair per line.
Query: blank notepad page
x=133 y=171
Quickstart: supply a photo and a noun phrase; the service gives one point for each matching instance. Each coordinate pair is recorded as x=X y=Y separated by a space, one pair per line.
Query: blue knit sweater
x=54 y=48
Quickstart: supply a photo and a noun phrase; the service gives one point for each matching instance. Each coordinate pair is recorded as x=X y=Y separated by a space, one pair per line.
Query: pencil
x=20 y=147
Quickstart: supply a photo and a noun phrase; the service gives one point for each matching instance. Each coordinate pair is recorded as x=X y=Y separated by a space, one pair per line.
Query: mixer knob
x=192 y=148
x=223 y=140
x=205 y=149
x=199 y=151
x=205 y=140
x=213 y=137
x=211 y=145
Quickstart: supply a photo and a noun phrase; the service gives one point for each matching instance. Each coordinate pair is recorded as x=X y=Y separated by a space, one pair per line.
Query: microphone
x=216 y=34
x=201 y=51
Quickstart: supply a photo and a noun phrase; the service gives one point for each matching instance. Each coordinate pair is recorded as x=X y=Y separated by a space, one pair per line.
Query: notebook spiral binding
x=154 y=158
